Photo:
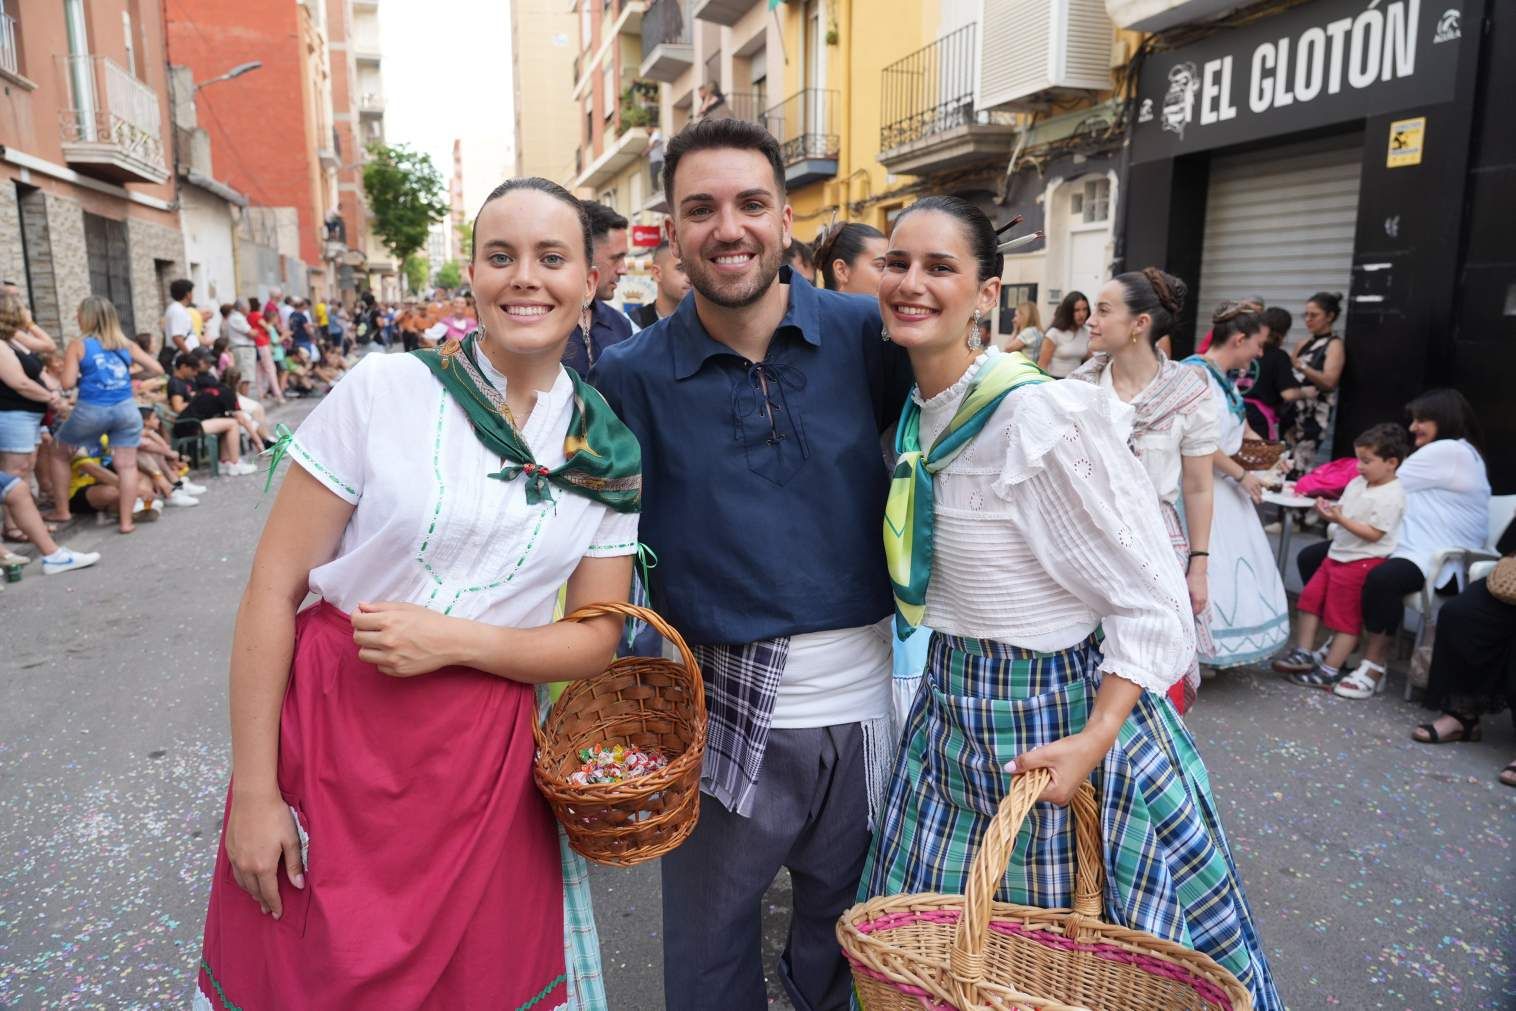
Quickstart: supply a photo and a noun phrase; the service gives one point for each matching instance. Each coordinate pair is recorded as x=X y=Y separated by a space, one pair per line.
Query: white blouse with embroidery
x=1047 y=526
x=430 y=527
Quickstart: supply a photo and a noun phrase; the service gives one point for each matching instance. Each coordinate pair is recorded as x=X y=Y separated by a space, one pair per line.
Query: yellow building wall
x=870 y=35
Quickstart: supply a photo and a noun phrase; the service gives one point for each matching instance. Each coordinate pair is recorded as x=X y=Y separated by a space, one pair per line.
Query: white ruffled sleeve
x=1202 y=429
x=1090 y=516
x=332 y=442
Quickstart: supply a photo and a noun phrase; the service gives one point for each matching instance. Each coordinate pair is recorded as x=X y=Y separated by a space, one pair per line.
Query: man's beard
x=734 y=293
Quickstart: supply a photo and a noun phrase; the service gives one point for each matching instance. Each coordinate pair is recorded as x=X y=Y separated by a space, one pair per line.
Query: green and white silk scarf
x=908 y=514
x=604 y=461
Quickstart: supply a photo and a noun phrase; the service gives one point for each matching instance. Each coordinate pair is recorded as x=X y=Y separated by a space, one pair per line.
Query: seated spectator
x=254 y=410
x=302 y=333
x=1364 y=525
x=331 y=368
x=1473 y=669
x=17 y=499
x=798 y=257
x=162 y=467
x=207 y=406
x=94 y=487
x=1447 y=505
x=221 y=355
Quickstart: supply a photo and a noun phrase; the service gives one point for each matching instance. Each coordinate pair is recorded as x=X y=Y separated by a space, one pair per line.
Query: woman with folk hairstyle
x=849 y=257
x=384 y=845
x=100 y=364
x=1250 y=616
x=1019 y=524
x=1175 y=429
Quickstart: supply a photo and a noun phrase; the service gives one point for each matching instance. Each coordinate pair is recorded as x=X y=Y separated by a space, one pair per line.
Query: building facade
x=86 y=189
x=1287 y=149
x=544 y=50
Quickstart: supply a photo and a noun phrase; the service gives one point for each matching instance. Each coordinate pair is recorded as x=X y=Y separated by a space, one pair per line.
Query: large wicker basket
x=1256 y=454
x=972 y=953
x=649 y=702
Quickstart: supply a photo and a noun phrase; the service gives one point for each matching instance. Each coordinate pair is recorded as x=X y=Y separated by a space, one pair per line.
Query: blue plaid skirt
x=1168 y=869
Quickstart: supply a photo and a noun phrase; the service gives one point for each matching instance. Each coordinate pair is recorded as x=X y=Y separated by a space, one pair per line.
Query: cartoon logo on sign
x=1145 y=113
x=1448 y=26
x=1179 y=100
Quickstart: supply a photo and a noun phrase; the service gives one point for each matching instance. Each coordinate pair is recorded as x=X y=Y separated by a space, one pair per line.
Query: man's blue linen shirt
x=763 y=485
x=608 y=327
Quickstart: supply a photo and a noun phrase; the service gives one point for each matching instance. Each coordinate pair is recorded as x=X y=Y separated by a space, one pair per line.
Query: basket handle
x=626 y=610
x=966 y=959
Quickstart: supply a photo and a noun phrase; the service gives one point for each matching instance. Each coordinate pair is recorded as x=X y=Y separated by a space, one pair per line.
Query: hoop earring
x=975 y=340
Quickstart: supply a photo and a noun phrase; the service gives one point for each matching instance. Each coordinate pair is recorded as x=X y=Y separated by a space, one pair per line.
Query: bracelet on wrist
x=1200 y=554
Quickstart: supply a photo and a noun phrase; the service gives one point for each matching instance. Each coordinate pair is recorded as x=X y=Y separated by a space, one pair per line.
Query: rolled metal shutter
x=1280 y=224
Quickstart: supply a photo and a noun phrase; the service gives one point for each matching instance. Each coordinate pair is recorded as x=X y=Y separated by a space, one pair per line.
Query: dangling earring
x=975 y=341
x=884 y=334
x=584 y=320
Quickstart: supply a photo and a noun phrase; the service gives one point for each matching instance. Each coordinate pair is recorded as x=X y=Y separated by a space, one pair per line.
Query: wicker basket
x=972 y=953
x=648 y=702
x=1257 y=454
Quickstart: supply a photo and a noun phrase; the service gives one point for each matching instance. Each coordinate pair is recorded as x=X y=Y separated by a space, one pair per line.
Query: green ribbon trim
x=276 y=452
x=909 y=511
x=604 y=461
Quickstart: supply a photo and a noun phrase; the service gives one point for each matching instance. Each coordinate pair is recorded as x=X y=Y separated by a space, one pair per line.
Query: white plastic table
x=1287 y=502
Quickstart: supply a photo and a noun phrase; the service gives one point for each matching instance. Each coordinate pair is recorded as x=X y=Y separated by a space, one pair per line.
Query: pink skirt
x=432 y=867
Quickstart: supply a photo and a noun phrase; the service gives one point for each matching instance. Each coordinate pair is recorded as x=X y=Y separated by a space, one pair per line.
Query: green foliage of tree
x=449 y=275
x=405 y=195
x=415 y=269
x=466 y=237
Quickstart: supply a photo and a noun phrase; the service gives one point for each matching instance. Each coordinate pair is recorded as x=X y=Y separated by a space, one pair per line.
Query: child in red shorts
x=1363 y=529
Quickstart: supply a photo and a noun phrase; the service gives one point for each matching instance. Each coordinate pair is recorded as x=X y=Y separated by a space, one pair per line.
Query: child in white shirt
x=1363 y=527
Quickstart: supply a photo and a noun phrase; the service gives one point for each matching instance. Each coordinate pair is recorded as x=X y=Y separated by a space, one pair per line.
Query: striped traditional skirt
x=1168 y=869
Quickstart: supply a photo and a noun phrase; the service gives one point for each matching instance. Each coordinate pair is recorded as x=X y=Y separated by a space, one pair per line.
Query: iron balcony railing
x=805 y=125
x=107 y=105
x=932 y=91
x=10 y=56
x=667 y=22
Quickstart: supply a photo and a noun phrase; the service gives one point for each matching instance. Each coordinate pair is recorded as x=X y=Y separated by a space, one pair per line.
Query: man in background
x=608 y=324
x=672 y=283
x=178 y=325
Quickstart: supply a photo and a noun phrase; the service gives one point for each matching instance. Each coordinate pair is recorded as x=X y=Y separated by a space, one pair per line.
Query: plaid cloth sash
x=742 y=682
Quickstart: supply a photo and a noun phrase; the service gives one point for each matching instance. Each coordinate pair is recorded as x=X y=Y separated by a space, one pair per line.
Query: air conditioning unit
x=1030 y=50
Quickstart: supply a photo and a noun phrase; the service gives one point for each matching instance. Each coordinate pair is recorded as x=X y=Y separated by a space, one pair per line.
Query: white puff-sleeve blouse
x=429 y=526
x=1047 y=527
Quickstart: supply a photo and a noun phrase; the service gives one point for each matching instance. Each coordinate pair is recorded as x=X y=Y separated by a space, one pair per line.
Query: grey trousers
x=811 y=816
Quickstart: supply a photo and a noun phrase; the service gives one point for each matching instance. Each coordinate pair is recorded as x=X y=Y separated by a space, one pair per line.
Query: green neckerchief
x=1233 y=398
x=604 y=462
x=908 y=515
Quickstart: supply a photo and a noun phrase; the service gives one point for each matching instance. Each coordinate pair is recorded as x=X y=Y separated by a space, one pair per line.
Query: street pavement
x=1381 y=872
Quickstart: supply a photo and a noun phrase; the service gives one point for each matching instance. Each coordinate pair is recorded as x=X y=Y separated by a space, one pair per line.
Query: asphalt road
x=1381 y=871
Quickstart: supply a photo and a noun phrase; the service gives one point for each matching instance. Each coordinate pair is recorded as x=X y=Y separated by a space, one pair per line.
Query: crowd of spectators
x=112 y=426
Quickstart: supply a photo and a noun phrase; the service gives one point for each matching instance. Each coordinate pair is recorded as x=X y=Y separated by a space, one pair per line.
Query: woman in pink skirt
x=384 y=846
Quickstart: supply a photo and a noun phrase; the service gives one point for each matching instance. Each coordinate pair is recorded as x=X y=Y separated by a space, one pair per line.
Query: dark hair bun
x=1170 y=290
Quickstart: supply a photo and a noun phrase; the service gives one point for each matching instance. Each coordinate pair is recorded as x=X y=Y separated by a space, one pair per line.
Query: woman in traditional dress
x=384 y=845
x=1174 y=432
x=1019 y=525
x=1250 y=615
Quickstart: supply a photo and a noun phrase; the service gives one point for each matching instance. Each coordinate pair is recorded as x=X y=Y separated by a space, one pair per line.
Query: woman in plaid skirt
x=1022 y=528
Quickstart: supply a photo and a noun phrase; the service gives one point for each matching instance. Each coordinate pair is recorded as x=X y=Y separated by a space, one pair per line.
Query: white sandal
x=1362 y=683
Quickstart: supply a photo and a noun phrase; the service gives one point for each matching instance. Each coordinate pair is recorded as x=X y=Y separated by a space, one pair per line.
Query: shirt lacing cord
x=762 y=389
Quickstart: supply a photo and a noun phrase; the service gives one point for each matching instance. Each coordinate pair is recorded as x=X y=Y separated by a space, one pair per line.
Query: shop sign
x=1325 y=62
x=646 y=236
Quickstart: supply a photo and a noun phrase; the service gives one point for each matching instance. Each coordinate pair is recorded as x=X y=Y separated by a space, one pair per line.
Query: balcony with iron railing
x=724 y=12
x=371 y=103
x=112 y=126
x=805 y=124
x=10 y=54
x=927 y=109
x=667 y=46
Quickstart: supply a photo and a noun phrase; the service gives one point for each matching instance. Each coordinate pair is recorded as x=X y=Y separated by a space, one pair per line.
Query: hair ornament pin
x=1010 y=224
x=1019 y=241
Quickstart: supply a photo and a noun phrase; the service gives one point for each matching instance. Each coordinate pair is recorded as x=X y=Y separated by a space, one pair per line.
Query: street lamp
x=237 y=71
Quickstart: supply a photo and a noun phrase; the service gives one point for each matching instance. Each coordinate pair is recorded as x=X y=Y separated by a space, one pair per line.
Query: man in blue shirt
x=759 y=404
x=608 y=325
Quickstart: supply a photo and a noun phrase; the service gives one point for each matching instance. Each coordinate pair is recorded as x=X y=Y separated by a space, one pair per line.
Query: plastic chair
x=203 y=449
x=1425 y=601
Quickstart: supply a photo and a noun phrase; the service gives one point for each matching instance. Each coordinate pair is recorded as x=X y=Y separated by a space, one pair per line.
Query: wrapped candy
x=613 y=763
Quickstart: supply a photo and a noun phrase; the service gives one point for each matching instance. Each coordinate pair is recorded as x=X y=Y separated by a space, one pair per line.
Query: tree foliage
x=449 y=275
x=415 y=269
x=405 y=195
x=466 y=237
